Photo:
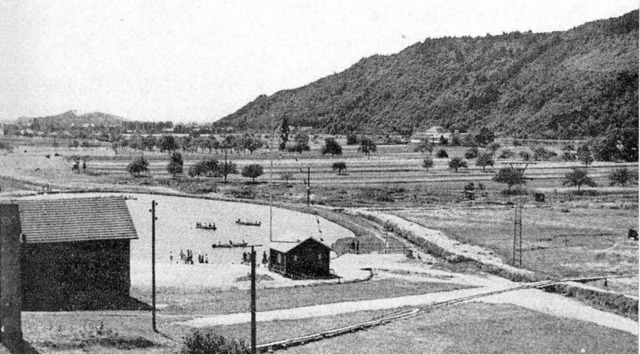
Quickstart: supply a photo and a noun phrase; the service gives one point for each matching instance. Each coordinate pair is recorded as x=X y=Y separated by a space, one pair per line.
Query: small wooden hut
x=306 y=259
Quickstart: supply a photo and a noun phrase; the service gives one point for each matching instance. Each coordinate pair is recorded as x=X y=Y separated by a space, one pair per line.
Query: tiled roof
x=285 y=247
x=75 y=219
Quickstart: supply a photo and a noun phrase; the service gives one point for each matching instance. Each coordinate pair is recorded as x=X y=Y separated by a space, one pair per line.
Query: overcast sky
x=201 y=60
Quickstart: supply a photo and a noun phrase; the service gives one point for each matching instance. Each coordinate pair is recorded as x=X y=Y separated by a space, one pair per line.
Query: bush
x=198 y=342
x=620 y=176
x=543 y=154
x=457 y=163
x=339 y=166
x=471 y=153
x=506 y=154
x=525 y=155
x=137 y=166
x=442 y=154
x=568 y=156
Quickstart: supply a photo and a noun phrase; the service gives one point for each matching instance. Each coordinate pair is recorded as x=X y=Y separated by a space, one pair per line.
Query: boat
x=230 y=245
x=206 y=226
x=248 y=222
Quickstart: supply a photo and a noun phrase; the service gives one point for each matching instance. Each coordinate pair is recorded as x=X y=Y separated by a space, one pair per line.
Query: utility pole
x=517 y=231
x=226 y=171
x=153 y=264
x=253 y=300
x=308 y=185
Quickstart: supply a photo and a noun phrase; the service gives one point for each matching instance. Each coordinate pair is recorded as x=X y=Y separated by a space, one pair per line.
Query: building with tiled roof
x=75 y=252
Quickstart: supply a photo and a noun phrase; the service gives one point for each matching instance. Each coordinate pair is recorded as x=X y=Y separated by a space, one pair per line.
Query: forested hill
x=68 y=119
x=582 y=82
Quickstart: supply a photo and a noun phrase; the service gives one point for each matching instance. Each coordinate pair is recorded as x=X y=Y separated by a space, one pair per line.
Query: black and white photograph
x=336 y=176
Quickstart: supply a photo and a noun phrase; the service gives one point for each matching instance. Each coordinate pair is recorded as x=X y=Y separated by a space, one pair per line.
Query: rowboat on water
x=206 y=226
x=248 y=222
x=231 y=244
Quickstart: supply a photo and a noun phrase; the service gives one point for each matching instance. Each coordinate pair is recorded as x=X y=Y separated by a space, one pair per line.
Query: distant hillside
x=581 y=82
x=68 y=119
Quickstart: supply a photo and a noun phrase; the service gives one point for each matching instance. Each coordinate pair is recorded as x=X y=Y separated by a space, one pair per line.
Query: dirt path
x=438 y=238
x=538 y=300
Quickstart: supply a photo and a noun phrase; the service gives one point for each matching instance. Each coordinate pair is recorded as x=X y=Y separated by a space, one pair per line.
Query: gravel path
x=538 y=300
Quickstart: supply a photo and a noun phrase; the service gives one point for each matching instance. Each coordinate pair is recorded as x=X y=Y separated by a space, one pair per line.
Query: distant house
x=433 y=134
x=306 y=259
x=75 y=252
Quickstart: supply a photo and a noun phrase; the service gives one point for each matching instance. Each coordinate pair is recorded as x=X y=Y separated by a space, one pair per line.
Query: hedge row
x=620 y=304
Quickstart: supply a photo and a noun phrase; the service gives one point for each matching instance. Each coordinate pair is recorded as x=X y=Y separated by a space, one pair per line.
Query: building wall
x=309 y=258
x=70 y=275
x=10 y=294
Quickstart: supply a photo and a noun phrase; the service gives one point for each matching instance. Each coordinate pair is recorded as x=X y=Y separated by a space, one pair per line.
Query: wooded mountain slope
x=578 y=83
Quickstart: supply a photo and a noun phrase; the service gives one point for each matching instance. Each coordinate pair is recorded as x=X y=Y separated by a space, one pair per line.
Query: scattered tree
x=176 y=164
x=228 y=168
x=577 y=178
x=367 y=146
x=543 y=154
x=457 y=163
x=484 y=160
x=510 y=176
x=339 y=166
x=506 y=154
x=471 y=153
x=443 y=140
x=427 y=163
x=284 y=133
x=484 y=136
x=137 y=166
x=525 y=155
x=352 y=139
x=620 y=176
x=168 y=143
x=425 y=146
x=205 y=167
x=584 y=155
x=494 y=147
x=442 y=154
x=331 y=147
x=252 y=171
x=302 y=142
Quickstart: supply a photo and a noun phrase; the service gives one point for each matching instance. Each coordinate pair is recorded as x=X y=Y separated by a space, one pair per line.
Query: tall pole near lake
x=308 y=185
x=153 y=264
x=253 y=300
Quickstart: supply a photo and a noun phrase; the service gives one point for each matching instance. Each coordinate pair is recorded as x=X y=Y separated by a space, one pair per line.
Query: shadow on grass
x=88 y=302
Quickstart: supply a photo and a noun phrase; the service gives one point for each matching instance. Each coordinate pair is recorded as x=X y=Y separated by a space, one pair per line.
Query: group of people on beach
x=246 y=257
x=187 y=257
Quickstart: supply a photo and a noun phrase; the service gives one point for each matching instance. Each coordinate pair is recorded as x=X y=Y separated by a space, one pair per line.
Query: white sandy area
x=223 y=276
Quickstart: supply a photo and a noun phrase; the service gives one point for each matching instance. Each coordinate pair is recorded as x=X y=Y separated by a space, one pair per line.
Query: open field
x=480 y=328
x=567 y=235
x=579 y=241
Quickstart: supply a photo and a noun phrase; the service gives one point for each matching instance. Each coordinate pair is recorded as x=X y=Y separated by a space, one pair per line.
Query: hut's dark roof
x=75 y=219
x=285 y=247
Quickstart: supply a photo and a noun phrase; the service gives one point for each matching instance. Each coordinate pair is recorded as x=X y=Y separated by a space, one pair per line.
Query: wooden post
x=253 y=300
x=153 y=265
